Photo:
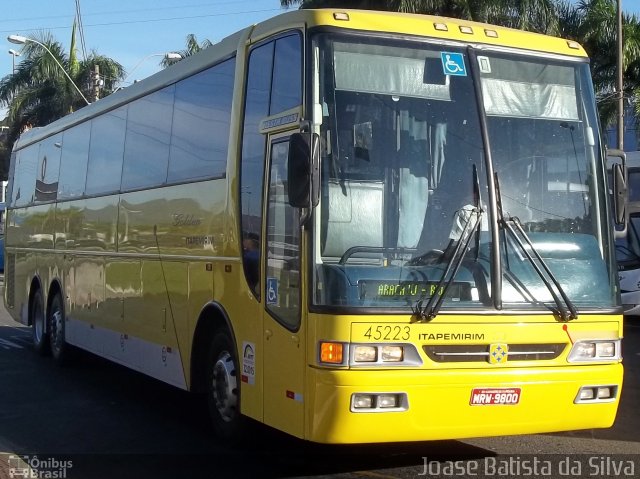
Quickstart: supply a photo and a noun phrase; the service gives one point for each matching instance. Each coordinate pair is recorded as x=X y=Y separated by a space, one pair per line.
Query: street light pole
x=20 y=40
x=620 y=83
x=13 y=54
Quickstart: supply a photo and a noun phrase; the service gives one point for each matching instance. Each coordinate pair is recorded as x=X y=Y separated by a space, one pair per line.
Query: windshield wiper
x=513 y=226
x=430 y=310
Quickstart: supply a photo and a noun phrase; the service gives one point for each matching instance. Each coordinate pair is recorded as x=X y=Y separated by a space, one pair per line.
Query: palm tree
x=598 y=34
x=193 y=47
x=39 y=92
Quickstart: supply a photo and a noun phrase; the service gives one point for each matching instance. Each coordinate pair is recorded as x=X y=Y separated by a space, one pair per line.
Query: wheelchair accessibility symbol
x=272 y=291
x=453 y=64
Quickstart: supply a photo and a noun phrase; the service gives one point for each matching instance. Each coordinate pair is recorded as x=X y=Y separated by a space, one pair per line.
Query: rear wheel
x=56 y=323
x=223 y=388
x=38 y=320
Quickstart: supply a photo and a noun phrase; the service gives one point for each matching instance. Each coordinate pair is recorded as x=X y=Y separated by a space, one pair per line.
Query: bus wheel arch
x=38 y=318
x=215 y=371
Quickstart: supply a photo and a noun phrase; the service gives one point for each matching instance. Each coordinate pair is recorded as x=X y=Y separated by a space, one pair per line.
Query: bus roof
x=358 y=20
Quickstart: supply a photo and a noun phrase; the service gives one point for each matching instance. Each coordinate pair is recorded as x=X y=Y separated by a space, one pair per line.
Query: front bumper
x=439 y=403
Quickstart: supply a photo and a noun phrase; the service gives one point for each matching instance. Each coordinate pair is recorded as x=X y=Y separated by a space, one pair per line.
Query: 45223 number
x=388 y=333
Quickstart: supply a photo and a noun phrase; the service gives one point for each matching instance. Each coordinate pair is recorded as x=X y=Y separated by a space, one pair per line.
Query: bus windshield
x=404 y=176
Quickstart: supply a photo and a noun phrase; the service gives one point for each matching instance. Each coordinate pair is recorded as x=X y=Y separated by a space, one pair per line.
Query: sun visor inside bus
x=389 y=71
x=528 y=90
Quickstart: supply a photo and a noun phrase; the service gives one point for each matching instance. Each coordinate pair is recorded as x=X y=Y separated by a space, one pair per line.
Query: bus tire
x=223 y=388
x=38 y=324
x=56 y=322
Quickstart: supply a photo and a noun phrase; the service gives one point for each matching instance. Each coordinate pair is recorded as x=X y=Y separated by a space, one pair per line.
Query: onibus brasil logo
x=34 y=467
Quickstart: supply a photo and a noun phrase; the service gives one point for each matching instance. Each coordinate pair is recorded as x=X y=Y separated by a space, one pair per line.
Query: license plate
x=494 y=396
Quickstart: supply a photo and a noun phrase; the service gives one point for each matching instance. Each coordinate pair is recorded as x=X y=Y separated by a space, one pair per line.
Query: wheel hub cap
x=225 y=387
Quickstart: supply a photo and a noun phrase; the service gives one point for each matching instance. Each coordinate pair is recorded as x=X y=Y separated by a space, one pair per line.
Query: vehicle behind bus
x=628 y=247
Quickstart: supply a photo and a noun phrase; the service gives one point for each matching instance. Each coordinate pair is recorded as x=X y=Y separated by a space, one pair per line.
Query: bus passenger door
x=284 y=356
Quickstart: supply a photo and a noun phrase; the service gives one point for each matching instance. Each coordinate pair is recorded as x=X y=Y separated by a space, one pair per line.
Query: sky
x=130 y=32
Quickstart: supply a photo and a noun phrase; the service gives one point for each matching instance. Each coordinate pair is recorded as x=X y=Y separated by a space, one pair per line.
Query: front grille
x=464 y=353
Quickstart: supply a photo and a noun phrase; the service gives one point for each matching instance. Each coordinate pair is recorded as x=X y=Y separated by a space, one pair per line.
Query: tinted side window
x=286 y=91
x=24 y=185
x=146 y=151
x=73 y=165
x=252 y=170
x=48 y=169
x=201 y=117
x=105 y=158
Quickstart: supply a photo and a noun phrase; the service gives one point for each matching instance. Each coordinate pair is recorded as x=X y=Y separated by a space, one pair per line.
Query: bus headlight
x=392 y=353
x=365 y=354
x=595 y=350
x=383 y=355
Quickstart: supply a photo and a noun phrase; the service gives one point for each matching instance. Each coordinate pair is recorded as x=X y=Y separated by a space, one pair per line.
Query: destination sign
x=412 y=290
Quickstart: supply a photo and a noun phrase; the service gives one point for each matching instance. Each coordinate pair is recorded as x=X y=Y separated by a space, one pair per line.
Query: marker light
x=573 y=45
x=465 y=29
x=491 y=33
x=331 y=352
x=441 y=26
x=341 y=16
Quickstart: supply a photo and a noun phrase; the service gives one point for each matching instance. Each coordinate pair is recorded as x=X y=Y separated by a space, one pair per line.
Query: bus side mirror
x=303 y=174
x=619 y=193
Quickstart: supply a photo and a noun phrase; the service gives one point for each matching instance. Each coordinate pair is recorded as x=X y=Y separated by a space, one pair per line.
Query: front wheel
x=223 y=388
x=56 y=323
x=38 y=320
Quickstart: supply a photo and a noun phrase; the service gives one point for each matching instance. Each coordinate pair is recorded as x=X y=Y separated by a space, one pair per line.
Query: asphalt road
x=96 y=419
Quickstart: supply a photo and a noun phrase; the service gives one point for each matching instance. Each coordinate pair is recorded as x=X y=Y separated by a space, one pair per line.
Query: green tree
x=39 y=92
x=598 y=33
x=192 y=47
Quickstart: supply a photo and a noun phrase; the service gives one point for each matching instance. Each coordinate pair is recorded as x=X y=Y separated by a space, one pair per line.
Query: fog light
x=365 y=354
x=605 y=350
x=604 y=392
x=586 y=394
x=387 y=400
x=362 y=401
x=392 y=353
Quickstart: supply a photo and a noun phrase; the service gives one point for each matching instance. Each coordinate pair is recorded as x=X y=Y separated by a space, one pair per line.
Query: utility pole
x=95 y=84
x=620 y=83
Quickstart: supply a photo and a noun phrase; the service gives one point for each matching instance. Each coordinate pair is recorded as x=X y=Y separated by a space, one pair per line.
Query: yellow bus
x=352 y=226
